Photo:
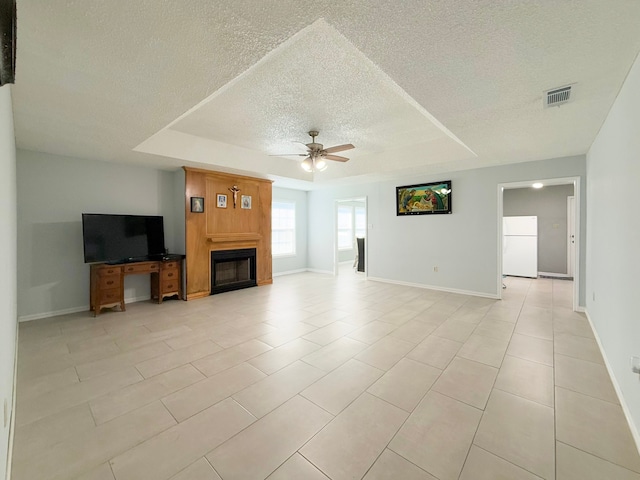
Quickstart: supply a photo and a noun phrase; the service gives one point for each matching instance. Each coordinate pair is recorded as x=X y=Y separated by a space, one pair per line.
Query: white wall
x=53 y=192
x=8 y=309
x=613 y=242
x=298 y=261
x=462 y=245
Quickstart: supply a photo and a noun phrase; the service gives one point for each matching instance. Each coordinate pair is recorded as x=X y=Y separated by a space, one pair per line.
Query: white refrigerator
x=520 y=246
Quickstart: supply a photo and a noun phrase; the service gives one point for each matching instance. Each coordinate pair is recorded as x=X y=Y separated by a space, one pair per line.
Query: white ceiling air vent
x=557 y=96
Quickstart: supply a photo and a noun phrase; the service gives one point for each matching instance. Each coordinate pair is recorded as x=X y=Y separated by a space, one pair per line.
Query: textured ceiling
x=417 y=86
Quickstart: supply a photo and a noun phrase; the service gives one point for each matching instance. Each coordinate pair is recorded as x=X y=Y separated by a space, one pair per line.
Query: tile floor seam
x=113 y=474
x=409 y=416
x=510 y=462
x=596 y=456
x=583 y=393
x=308 y=459
x=524 y=398
x=211 y=465
x=462 y=401
x=412 y=463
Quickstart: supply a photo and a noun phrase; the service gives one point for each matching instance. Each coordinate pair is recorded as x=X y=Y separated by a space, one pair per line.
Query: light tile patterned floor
x=318 y=377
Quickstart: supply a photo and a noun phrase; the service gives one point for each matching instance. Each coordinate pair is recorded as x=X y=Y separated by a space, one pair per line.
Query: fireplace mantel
x=219 y=228
x=233 y=237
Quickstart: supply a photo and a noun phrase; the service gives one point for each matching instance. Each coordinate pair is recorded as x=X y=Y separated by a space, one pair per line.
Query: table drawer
x=170 y=286
x=170 y=265
x=142 y=268
x=110 y=295
x=109 y=270
x=172 y=274
x=109 y=281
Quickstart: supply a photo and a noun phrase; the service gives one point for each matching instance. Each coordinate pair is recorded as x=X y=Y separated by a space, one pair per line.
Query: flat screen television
x=121 y=238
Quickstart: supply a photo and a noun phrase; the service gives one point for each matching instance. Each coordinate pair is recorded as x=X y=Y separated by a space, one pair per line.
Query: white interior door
x=571 y=235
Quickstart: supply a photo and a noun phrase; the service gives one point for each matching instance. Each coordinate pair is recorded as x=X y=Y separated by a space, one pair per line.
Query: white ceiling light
x=314 y=163
x=537 y=185
x=307 y=164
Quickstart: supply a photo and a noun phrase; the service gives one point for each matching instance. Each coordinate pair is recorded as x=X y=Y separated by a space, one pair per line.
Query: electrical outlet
x=593 y=296
x=435 y=269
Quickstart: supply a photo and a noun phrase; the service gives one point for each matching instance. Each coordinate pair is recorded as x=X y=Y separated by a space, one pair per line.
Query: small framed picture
x=222 y=201
x=246 y=202
x=197 y=204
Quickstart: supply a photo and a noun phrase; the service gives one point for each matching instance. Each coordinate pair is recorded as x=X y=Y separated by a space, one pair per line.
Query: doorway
x=562 y=228
x=571 y=235
x=350 y=224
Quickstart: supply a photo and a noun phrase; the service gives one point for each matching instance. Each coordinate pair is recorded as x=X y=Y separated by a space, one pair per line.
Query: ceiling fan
x=317 y=154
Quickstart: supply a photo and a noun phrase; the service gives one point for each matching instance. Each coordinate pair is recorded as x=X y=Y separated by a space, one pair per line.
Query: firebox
x=233 y=269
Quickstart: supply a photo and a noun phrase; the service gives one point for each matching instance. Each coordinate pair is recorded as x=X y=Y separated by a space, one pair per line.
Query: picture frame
x=424 y=198
x=245 y=202
x=221 y=200
x=197 y=204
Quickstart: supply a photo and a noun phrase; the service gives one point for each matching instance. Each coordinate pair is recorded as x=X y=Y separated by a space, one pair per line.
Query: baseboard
x=563 y=276
x=581 y=309
x=317 y=270
x=434 y=287
x=627 y=414
x=290 y=272
x=67 y=311
x=55 y=313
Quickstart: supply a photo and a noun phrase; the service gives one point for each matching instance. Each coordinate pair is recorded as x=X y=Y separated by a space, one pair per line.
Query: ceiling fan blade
x=337 y=158
x=339 y=148
x=302 y=146
x=289 y=155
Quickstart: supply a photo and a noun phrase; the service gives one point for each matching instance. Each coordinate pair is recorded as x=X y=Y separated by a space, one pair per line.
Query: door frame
x=336 y=252
x=571 y=225
x=575 y=181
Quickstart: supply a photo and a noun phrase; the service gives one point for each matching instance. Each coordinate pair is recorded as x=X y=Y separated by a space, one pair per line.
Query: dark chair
x=360 y=254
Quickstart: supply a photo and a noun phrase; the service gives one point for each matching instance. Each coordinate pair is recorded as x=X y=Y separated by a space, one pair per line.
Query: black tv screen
x=121 y=238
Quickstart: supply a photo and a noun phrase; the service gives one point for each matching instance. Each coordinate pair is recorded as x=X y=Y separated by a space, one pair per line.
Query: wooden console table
x=107 y=281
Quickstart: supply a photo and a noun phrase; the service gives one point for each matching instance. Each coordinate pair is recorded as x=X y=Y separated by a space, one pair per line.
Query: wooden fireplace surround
x=227 y=228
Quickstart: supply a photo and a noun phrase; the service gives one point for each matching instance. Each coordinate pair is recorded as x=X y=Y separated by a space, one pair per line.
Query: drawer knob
x=110 y=282
x=170 y=275
x=170 y=286
x=129 y=269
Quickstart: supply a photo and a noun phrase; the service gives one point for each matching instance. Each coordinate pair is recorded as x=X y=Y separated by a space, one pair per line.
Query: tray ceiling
x=420 y=87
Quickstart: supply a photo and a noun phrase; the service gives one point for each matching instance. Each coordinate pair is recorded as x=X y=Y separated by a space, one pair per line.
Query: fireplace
x=233 y=269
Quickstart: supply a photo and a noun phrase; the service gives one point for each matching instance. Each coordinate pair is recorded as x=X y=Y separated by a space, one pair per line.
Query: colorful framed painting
x=424 y=198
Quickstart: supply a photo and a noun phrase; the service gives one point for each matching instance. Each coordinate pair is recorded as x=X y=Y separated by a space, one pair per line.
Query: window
x=283 y=228
x=361 y=222
x=345 y=227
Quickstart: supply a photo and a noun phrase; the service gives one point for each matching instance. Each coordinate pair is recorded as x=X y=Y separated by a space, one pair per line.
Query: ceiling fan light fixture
x=307 y=165
x=320 y=164
x=316 y=161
